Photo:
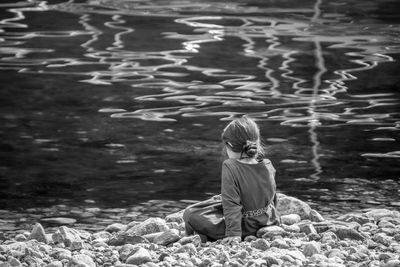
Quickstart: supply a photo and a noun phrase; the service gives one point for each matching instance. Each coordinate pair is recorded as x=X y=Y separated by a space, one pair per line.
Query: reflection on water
x=122 y=101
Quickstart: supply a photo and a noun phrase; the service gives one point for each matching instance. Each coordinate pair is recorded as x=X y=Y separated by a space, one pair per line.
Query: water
x=120 y=104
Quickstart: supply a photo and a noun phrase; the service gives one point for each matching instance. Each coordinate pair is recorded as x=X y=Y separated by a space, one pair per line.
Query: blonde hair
x=243 y=136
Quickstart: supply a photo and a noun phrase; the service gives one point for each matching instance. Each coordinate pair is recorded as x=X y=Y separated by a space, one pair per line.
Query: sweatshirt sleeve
x=231 y=203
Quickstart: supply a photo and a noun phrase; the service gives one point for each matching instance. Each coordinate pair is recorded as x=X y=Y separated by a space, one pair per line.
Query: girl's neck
x=247 y=160
x=236 y=156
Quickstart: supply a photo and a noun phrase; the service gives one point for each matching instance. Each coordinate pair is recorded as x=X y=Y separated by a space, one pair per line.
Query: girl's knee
x=186 y=215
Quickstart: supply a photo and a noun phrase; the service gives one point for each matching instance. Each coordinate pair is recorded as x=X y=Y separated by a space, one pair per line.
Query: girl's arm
x=232 y=207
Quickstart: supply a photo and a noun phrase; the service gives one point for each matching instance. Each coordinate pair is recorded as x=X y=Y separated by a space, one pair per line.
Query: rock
x=392 y=263
x=69 y=237
x=260 y=244
x=141 y=256
x=223 y=257
x=103 y=235
x=115 y=227
x=384 y=257
x=377 y=214
x=14 y=262
x=279 y=243
x=173 y=225
x=38 y=233
x=257 y=262
x=287 y=258
x=122 y=238
x=314 y=236
x=307 y=228
x=149 y=226
x=355 y=217
x=250 y=238
x=58 y=220
x=328 y=236
x=167 y=237
x=194 y=239
x=175 y=217
x=396 y=238
x=311 y=248
x=20 y=238
x=271 y=231
x=61 y=254
x=126 y=251
x=55 y=264
x=382 y=239
x=291 y=228
x=346 y=232
x=16 y=249
x=189 y=248
x=395 y=221
x=210 y=251
x=317 y=258
x=388 y=231
x=271 y=260
x=290 y=205
x=297 y=255
x=315 y=216
x=243 y=254
x=322 y=227
x=358 y=256
x=336 y=253
x=290 y=219
x=385 y=224
x=152 y=236
x=81 y=260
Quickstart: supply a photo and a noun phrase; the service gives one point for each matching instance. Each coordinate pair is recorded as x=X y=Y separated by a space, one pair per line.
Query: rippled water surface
x=113 y=103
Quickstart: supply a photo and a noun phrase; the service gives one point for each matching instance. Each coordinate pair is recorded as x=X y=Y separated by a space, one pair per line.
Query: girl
x=248 y=192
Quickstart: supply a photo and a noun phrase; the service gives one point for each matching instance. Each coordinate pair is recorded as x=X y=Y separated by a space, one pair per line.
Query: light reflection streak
x=277 y=60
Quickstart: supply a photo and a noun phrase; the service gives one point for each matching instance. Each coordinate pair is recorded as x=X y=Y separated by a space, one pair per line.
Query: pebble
x=38 y=233
x=127 y=250
x=311 y=248
x=149 y=226
x=377 y=214
x=349 y=233
x=81 y=260
x=291 y=205
x=307 y=228
x=279 y=243
x=291 y=228
x=167 y=237
x=55 y=264
x=290 y=219
x=187 y=248
x=115 y=227
x=392 y=263
x=270 y=231
x=141 y=256
x=315 y=216
x=260 y=244
x=382 y=239
x=194 y=239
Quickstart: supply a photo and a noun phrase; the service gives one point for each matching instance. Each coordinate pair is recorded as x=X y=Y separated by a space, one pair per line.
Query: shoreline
x=305 y=238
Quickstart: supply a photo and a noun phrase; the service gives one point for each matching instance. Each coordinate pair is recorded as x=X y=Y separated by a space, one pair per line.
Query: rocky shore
x=305 y=238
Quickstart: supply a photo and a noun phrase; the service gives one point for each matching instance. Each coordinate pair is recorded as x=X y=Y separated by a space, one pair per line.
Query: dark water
x=120 y=104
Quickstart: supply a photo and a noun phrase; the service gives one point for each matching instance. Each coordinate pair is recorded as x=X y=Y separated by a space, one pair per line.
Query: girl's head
x=243 y=136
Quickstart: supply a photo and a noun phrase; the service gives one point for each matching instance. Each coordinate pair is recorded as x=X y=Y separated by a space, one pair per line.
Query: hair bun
x=250 y=148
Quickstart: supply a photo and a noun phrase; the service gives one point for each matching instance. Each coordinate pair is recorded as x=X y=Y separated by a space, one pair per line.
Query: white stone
x=290 y=219
x=141 y=256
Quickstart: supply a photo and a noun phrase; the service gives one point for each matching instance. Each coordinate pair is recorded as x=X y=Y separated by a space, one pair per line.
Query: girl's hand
x=231 y=239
